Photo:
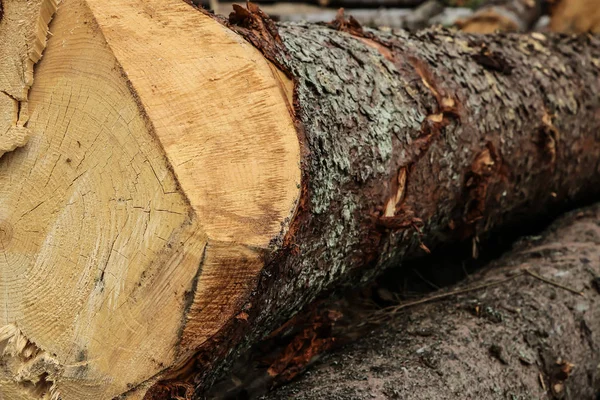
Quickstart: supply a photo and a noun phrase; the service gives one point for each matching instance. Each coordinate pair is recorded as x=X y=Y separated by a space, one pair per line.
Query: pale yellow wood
x=101 y=247
x=23 y=32
x=162 y=163
x=203 y=76
x=230 y=272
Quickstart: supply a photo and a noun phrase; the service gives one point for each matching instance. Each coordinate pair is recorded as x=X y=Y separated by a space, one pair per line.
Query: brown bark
x=521 y=339
x=504 y=15
x=411 y=141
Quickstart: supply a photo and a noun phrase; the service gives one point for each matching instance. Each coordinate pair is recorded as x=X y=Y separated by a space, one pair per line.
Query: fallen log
x=504 y=15
x=188 y=183
x=522 y=338
x=421 y=16
x=575 y=16
x=335 y=3
x=429 y=13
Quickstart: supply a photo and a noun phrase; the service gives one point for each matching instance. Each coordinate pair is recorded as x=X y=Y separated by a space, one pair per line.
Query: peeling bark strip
x=523 y=339
x=412 y=140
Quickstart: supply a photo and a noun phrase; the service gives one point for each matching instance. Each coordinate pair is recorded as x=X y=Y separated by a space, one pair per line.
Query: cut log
x=504 y=15
x=431 y=12
x=183 y=192
x=522 y=339
x=419 y=17
x=107 y=211
x=332 y=3
x=575 y=16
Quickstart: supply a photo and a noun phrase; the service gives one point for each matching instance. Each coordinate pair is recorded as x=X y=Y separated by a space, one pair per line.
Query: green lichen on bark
x=352 y=111
x=363 y=109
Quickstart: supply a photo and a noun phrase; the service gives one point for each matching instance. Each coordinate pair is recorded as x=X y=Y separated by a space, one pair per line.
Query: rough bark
x=504 y=15
x=516 y=340
x=411 y=141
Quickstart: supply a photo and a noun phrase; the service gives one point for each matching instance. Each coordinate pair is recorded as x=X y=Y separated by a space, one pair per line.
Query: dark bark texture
x=410 y=141
x=517 y=340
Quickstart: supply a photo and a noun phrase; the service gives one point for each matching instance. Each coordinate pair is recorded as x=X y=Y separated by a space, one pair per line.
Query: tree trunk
x=181 y=193
x=522 y=339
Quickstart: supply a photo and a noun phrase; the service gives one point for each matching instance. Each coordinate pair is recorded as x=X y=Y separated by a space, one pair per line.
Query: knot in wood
x=6 y=233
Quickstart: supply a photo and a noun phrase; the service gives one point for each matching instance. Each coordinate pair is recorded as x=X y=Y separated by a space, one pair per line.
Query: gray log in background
x=431 y=12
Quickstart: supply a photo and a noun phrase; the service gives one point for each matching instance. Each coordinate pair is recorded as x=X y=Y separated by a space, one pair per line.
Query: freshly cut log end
x=159 y=169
